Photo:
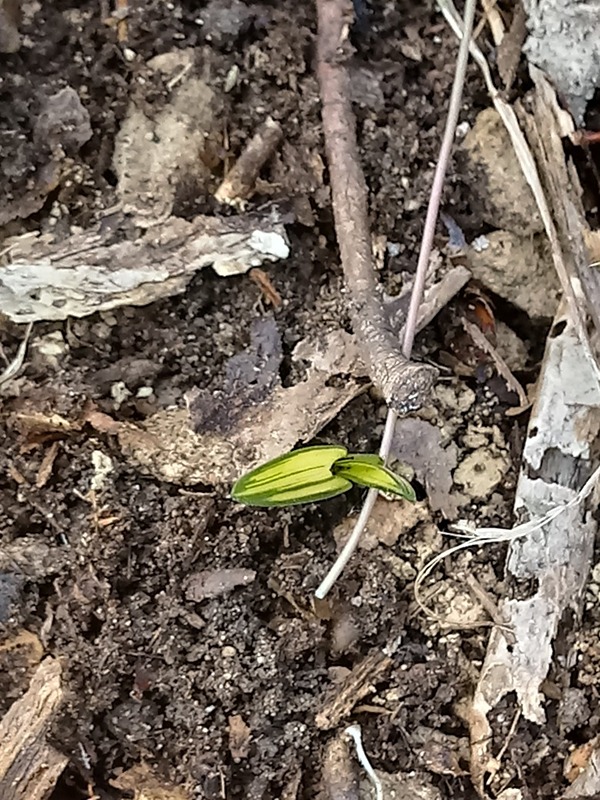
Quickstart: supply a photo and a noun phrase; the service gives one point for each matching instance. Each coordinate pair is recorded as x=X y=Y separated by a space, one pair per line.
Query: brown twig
x=357 y=685
x=480 y=341
x=238 y=184
x=418 y=287
x=404 y=385
x=262 y=280
x=339 y=776
x=583 y=137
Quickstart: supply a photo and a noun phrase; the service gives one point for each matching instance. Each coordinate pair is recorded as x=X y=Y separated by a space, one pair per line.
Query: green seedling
x=316 y=473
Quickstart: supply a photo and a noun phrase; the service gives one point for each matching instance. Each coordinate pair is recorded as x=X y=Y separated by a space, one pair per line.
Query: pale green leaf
x=364 y=471
x=302 y=476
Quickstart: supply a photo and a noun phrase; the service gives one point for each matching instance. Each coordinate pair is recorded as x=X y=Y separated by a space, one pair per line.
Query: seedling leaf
x=364 y=471
x=302 y=476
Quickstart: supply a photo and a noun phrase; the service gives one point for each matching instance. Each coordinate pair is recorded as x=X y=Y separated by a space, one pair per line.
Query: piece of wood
x=144 y=784
x=340 y=780
x=548 y=127
x=113 y=265
x=509 y=48
x=121 y=11
x=559 y=457
x=437 y=295
x=587 y=783
x=358 y=684
x=29 y=766
x=480 y=341
x=240 y=181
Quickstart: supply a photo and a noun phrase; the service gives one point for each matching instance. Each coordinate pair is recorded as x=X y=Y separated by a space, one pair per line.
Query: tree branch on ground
x=403 y=384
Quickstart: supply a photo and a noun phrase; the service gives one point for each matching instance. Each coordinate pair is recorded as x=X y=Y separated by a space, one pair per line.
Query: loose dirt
x=220 y=692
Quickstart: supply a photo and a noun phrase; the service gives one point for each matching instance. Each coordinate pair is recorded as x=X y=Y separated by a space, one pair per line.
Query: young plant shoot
x=316 y=473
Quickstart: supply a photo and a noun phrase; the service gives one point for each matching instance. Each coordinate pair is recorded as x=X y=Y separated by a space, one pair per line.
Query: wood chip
x=262 y=280
x=122 y=9
x=339 y=773
x=100 y=269
x=290 y=790
x=240 y=181
x=484 y=344
x=356 y=686
x=582 y=770
x=101 y=422
x=509 y=49
x=29 y=766
x=239 y=738
x=47 y=465
x=145 y=785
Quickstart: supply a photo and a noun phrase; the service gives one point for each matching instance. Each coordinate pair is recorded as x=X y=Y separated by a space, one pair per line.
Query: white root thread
x=354 y=732
x=483 y=536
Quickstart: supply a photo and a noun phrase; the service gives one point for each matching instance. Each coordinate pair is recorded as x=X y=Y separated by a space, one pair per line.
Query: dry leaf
x=166 y=446
x=239 y=738
x=419 y=444
x=45 y=470
x=145 y=785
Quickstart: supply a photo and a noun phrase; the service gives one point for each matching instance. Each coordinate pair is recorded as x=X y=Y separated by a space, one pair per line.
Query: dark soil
x=151 y=675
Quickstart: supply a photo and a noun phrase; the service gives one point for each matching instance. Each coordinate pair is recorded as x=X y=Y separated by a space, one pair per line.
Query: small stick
x=339 y=779
x=15 y=365
x=418 y=287
x=509 y=735
x=480 y=341
x=238 y=184
x=488 y=604
x=356 y=686
x=262 y=280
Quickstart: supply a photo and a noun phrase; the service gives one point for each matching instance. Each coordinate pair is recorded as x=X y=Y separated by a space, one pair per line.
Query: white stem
x=354 y=732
